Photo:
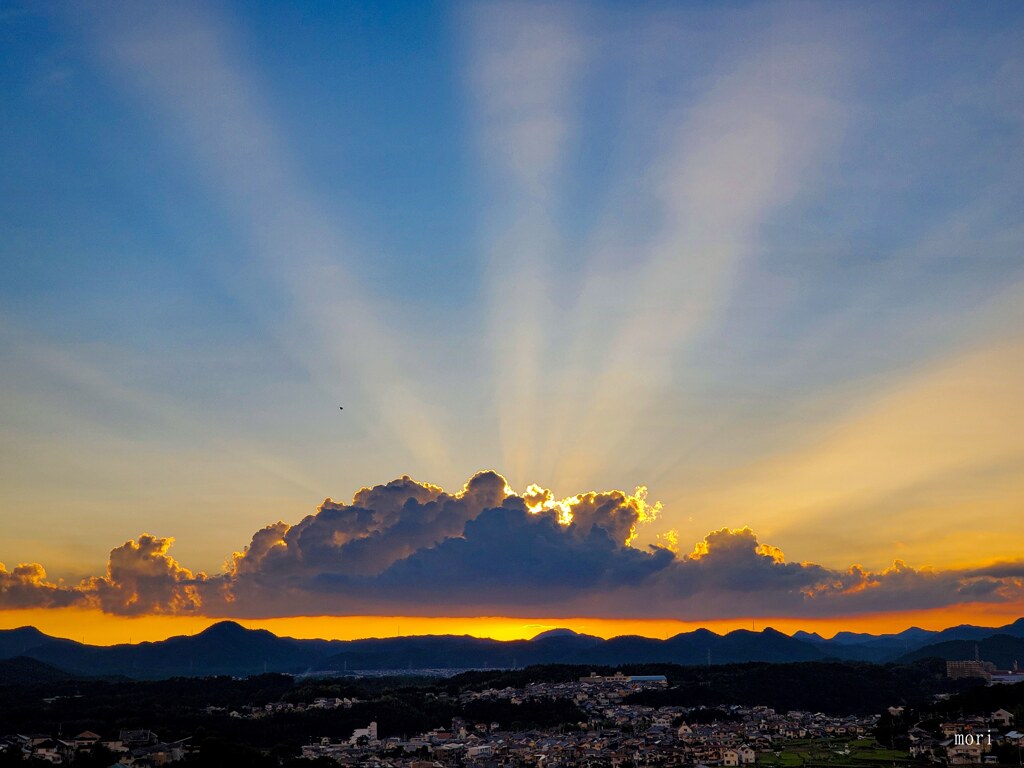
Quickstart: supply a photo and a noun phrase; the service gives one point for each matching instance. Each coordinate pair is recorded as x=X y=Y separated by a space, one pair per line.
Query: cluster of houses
x=131 y=748
x=652 y=738
x=614 y=732
x=253 y=712
x=968 y=740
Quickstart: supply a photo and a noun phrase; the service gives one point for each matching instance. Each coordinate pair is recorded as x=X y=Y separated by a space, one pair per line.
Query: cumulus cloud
x=733 y=560
x=519 y=558
x=407 y=547
x=143 y=579
x=889 y=589
x=27 y=587
x=382 y=525
x=411 y=547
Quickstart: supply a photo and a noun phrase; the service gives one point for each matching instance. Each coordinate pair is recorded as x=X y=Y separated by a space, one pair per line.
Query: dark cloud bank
x=410 y=548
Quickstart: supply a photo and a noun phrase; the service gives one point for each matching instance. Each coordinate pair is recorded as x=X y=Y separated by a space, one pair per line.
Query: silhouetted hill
x=559 y=632
x=465 y=652
x=855 y=646
x=898 y=639
x=808 y=637
x=562 y=640
x=227 y=648
x=427 y=652
x=462 y=652
x=1002 y=650
x=20 y=641
x=970 y=632
x=700 y=647
x=22 y=671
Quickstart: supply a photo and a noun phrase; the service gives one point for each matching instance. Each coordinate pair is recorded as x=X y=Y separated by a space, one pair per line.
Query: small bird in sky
x=341 y=408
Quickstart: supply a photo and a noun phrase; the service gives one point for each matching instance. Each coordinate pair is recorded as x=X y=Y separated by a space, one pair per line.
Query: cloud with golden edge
x=412 y=548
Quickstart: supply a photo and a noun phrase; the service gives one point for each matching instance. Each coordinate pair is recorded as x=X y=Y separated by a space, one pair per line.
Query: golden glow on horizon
x=96 y=628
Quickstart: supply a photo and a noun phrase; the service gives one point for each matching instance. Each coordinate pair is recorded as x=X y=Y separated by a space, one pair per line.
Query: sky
x=643 y=316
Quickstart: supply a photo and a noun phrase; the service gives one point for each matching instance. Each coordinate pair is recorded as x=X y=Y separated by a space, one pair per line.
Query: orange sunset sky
x=97 y=628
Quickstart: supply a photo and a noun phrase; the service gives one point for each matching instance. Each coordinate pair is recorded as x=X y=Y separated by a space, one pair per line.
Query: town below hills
x=227 y=648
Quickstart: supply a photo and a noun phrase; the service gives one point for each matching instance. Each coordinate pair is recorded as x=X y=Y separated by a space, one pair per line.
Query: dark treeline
x=553 y=673
x=986 y=699
x=835 y=688
x=177 y=708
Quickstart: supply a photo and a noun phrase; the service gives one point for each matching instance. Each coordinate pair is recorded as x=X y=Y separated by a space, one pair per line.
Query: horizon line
x=96 y=629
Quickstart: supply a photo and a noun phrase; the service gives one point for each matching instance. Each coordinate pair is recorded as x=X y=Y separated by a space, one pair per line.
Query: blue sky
x=717 y=250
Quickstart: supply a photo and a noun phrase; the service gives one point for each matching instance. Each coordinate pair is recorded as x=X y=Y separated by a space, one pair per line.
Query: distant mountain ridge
x=906 y=644
x=227 y=648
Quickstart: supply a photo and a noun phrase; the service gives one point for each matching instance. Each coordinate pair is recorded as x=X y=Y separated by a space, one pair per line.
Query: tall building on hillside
x=970 y=668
